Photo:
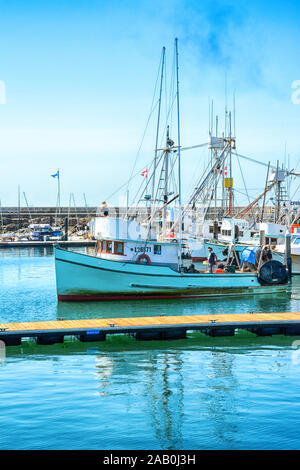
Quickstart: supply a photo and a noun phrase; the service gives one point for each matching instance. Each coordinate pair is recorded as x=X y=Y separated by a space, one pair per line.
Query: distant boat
x=239 y=233
x=44 y=232
x=279 y=251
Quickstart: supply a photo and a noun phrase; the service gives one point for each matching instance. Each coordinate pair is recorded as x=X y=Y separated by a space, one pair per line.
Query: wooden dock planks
x=150 y=322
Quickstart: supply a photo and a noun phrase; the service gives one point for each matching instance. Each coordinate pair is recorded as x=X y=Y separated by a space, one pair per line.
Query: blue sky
x=79 y=80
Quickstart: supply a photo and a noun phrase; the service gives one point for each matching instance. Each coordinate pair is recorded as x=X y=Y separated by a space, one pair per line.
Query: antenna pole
x=225 y=104
x=234 y=133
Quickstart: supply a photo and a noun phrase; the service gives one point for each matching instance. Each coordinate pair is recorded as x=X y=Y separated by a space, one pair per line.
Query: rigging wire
x=128 y=181
x=152 y=109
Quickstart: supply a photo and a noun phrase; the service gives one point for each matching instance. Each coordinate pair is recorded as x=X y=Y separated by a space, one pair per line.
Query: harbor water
x=238 y=392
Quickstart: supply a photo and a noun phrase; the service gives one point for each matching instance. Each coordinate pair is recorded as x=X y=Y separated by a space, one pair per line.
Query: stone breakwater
x=14 y=218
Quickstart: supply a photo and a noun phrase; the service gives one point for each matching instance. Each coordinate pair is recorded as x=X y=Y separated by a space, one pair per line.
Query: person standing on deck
x=104 y=209
x=212 y=259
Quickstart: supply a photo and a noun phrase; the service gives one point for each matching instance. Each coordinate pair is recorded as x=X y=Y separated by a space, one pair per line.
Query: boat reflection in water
x=128 y=308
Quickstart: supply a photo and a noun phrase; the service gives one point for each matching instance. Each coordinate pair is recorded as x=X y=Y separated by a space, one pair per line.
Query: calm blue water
x=200 y=393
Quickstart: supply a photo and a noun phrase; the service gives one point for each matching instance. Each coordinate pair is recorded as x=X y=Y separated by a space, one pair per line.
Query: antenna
x=234 y=133
x=212 y=116
x=225 y=103
x=209 y=119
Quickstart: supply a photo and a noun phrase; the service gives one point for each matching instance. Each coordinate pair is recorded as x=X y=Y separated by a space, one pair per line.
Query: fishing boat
x=279 y=252
x=240 y=233
x=144 y=260
x=139 y=268
x=82 y=277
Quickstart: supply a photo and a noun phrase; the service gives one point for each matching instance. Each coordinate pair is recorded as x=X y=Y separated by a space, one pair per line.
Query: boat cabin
x=138 y=251
x=274 y=233
x=115 y=227
x=126 y=241
x=233 y=230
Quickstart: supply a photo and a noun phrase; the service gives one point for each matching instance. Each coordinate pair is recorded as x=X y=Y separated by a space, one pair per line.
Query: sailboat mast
x=1 y=214
x=31 y=221
x=19 y=209
x=179 y=154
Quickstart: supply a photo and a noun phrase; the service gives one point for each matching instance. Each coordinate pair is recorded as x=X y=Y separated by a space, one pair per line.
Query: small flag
x=145 y=173
x=56 y=174
x=225 y=171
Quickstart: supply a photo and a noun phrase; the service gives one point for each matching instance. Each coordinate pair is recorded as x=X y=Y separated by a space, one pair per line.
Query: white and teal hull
x=81 y=277
x=219 y=248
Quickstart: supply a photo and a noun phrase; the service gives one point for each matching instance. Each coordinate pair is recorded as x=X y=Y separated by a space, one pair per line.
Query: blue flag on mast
x=56 y=174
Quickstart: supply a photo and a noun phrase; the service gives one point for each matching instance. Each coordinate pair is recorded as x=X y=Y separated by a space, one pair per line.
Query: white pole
x=179 y=158
x=127 y=202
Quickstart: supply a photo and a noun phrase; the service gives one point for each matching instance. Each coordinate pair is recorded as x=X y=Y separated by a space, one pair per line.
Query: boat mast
x=166 y=182
x=179 y=157
x=19 y=210
x=31 y=221
x=1 y=213
x=230 y=170
x=158 y=120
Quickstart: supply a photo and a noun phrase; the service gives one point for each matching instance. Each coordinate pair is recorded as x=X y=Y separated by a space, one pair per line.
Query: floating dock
x=150 y=328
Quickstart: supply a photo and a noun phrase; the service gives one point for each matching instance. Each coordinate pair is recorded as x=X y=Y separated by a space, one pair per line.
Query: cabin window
x=157 y=249
x=119 y=248
x=226 y=233
x=109 y=247
x=273 y=241
x=241 y=234
x=103 y=245
x=211 y=229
